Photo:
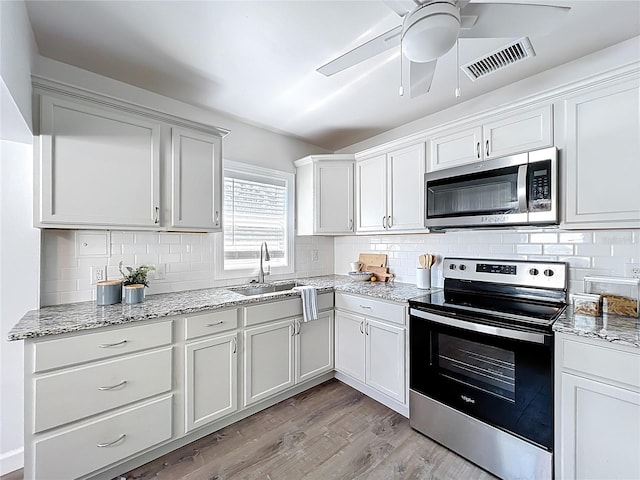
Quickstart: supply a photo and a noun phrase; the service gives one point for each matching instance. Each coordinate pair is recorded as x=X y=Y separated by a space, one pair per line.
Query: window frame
x=260 y=173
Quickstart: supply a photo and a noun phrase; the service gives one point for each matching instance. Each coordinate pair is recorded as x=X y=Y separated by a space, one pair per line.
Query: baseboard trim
x=11 y=461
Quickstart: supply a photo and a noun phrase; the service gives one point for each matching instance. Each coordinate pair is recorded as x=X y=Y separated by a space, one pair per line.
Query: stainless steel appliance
x=481 y=363
x=517 y=190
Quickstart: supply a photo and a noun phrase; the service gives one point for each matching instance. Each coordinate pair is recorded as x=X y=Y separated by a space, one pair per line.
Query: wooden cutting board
x=381 y=273
x=373 y=259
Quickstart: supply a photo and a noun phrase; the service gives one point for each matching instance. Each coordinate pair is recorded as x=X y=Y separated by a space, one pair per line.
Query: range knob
x=452 y=266
x=534 y=271
x=462 y=267
x=548 y=272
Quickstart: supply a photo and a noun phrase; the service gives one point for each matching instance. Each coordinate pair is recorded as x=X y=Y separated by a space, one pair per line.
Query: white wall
x=19 y=289
x=17 y=49
x=19 y=241
x=602 y=252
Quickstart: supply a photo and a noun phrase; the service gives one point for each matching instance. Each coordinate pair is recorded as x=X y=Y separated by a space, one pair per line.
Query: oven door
x=500 y=376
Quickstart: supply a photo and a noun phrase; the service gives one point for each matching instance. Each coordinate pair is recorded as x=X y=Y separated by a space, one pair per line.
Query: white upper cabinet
x=196 y=173
x=390 y=191
x=602 y=157
x=104 y=164
x=507 y=135
x=98 y=167
x=324 y=195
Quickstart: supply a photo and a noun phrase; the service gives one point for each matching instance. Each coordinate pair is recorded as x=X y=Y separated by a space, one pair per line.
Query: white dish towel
x=309 y=302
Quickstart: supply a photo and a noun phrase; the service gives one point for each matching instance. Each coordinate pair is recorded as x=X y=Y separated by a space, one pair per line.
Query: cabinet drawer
x=86 y=347
x=368 y=307
x=100 y=443
x=292 y=307
x=605 y=362
x=74 y=394
x=210 y=322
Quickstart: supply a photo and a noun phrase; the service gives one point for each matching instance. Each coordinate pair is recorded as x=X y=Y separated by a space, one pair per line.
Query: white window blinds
x=255 y=211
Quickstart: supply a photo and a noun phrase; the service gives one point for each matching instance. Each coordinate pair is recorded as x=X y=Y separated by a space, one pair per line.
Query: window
x=257 y=207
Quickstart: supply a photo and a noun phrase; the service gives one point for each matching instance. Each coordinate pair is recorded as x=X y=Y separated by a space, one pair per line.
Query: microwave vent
x=498 y=59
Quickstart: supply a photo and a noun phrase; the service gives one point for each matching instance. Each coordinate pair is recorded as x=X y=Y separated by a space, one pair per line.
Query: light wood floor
x=328 y=432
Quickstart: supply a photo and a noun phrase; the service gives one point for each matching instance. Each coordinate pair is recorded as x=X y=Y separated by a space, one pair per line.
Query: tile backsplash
x=189 y=258
x=602 y=252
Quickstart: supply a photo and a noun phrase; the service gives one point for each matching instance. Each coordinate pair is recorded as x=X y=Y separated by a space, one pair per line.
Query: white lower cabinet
x=597 y=410
x=372 y=350
x=211 y=380
x=280 y=354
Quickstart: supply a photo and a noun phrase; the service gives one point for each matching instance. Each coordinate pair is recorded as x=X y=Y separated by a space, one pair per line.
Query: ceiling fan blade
x=421 y=76
x=401 y=7
x=495 y=20
x=363 y=52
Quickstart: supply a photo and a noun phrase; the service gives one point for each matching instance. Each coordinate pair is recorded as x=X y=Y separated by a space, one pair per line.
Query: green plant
x=137 y=275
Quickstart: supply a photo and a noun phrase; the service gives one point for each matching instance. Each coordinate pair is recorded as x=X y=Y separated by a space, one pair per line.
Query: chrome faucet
x=266 y=258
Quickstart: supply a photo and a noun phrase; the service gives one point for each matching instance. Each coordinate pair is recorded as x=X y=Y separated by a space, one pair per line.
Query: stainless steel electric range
x=481 y=363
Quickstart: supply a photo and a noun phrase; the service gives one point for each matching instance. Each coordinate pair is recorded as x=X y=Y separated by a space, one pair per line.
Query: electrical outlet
x=314 y=255
x=98 y=274
x=632 y=270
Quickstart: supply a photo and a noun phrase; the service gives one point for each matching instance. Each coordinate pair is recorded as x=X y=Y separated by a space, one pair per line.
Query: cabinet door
x=314 y=347
x=98 y=167
x=518 y=133
x=602 y=152
x=385 y=359
x=268 y=360
x=196 y=180
x=372 y=194
x=599 y=433
x=350 y=345
x=453 y=148
x=405 y=173
x=334 y=197
x=211 y=372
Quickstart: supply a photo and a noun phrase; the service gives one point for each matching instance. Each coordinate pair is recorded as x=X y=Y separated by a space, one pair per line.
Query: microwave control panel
x=540 y=186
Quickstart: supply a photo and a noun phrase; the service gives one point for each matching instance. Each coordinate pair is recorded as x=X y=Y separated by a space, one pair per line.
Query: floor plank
x=328 y=432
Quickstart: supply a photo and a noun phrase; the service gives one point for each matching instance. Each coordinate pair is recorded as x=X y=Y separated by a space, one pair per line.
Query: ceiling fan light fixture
x=430 y=31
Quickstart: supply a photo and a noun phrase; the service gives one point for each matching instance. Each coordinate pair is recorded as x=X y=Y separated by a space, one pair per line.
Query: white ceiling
x=257 y=60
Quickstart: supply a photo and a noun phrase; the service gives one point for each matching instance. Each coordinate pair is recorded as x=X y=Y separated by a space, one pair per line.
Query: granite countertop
x=612 y=328
x=72 y=317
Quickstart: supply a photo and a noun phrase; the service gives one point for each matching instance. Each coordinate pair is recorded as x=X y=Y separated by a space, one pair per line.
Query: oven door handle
x=530 y=337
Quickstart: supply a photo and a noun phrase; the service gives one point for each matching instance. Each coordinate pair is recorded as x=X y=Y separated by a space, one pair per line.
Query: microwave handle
x=522 y=188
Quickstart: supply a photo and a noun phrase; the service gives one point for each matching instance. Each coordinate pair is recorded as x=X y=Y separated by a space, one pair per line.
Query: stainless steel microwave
x=516 y=190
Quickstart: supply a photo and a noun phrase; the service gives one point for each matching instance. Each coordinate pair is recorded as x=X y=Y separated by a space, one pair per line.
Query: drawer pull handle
x=108 y=444
x=235 y=345
x=214 y=324
x=102 y=389
x=361 y=324
x=366 y=307
x=108 y=345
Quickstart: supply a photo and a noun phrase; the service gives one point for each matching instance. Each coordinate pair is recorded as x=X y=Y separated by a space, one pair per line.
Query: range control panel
x=514 y=272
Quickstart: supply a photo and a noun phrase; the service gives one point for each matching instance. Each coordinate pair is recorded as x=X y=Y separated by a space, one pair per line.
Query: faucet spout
x=264 y=257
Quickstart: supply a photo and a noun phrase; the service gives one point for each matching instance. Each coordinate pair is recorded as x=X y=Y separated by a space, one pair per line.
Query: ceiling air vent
x=500 y=58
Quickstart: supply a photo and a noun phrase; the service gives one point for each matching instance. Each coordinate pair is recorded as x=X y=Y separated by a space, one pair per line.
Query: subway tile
x=169 y=238
x=576 y=262
x=630 y=251
x=558 y=249
x=529 y=249
x=120 y=238
x=134 y=249
x=157 y=249
x=593 y=250
x=515 y=238
x=575 y=237
x=543 y=238
x=613 y=237
x=169 y=258
x=146 y=238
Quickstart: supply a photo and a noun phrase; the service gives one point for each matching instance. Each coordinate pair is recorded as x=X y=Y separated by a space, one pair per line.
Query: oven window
x=485 y=367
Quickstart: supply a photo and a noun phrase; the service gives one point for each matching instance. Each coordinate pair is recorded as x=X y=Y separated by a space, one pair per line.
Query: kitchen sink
x=262 y=289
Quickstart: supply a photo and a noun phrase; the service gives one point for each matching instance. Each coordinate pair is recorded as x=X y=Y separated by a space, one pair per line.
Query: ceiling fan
x=430 y=28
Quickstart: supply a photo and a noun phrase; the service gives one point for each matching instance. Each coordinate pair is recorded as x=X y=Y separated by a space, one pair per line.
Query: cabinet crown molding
x=44 y=85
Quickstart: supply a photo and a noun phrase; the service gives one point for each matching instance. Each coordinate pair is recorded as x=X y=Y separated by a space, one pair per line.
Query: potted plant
x=134 y=281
